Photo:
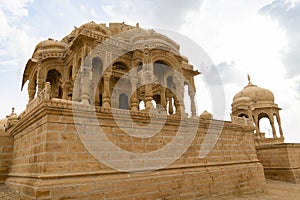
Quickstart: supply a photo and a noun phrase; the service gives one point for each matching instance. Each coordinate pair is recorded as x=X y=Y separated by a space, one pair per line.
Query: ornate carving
x=242 y=121
x=131 y=48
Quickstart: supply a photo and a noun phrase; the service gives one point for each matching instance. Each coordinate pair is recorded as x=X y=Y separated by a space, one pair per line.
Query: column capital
x=107 y=75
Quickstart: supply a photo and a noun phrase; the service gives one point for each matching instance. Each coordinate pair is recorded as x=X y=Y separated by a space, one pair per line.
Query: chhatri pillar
x=192 y=97
x=134 y=102
x=106 y=90
x=85 y=89
x=148 y=73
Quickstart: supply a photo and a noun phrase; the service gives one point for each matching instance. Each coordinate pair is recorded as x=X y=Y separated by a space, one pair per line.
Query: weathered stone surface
x=86 y=135
x=63 y=166
x=280 y=161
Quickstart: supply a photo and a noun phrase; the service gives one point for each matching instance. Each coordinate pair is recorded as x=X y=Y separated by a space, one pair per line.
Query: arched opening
x=123 y=101
x=97 y=68
x=171 y=109
x=157 y=99
x=120 y=67
x=159 y=69
x=100 y=100
x=242 y=115
x=54 y=77
x=265 y=127
x=153 y=103
x=142 y=105
x=70 y=81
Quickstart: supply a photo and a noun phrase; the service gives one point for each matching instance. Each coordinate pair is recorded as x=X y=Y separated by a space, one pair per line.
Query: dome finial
x=249 y=81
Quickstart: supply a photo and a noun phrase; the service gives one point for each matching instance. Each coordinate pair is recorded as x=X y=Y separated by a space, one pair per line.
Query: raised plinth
x=281 y=161
x=51 y=161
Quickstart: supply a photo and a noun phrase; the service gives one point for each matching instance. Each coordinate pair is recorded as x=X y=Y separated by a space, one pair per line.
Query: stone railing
x=43 y=95
x=242 y=121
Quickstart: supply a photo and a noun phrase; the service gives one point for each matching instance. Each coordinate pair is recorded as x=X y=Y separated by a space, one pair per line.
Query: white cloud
x=17 y=8
x=287 y=14
x=151 y=13
x=15 y=45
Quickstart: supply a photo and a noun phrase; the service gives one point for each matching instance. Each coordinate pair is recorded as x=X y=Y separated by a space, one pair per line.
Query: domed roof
x=95 y=27
x=243 y=100
x=253 y=93
x=50 y=43
x=52 y=48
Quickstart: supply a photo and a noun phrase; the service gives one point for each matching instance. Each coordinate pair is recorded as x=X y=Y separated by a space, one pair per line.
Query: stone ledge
x=191 y=183
x=112 y=172
x=69 y=108
x=279 y=145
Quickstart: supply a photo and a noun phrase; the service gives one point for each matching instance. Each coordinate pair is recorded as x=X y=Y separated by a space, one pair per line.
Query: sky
x=259 y=37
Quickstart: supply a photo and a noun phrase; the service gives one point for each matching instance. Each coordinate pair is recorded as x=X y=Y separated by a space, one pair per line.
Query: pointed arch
x=55 y=79
x=167 y=58
x=123 y=101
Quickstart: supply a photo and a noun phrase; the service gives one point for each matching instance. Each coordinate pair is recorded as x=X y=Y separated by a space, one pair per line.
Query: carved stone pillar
x=94 y=90
x=75 y=67
x=273 y=127
x=148 y=86
x=66 y=88
x=163 y=100
x=148 y=96
x=40 y=83
x=40 y=79
x=106 y=90
x=178 y=107
x=76 y=88
x=170 y=105
x=31 y=91
x=279 y=124
x=179 y=89
x=192 y=97
x=255 y=118
x=96 y=94
x=148 y=78
x=134 y=102
x=85 y=87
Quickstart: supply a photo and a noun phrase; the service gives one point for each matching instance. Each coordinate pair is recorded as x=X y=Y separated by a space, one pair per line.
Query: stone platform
x=49 y=160
x=281 y=161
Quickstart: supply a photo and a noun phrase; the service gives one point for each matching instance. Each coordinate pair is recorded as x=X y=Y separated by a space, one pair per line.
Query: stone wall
x=6 y=149
x=51 y=162
x=280 y=161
